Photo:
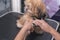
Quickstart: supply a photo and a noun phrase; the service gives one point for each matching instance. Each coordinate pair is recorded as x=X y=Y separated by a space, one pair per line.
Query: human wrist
x=52 y=32
x=25 y=29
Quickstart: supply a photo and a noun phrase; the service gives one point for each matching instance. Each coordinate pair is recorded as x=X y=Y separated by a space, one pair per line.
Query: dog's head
x=35 y=7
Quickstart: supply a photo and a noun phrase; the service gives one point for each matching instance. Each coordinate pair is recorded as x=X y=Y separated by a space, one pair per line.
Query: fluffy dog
x=33 y=9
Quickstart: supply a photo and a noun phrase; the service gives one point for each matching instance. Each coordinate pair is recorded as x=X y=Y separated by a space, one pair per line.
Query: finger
x=32 y=29
x=41 y=21
x=36 y=21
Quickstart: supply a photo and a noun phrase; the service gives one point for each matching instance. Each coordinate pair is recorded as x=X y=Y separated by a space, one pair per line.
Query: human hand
x=28 y=26
x=43 y=25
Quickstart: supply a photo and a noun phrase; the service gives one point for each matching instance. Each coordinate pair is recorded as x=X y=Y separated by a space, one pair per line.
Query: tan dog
x=32 y=8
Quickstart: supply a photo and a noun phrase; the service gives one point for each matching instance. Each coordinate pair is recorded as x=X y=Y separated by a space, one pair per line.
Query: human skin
x=47 y=28
x=24 y=31
x=42 y=24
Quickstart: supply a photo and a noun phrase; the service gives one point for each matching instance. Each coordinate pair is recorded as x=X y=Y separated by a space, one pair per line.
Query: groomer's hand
x=28 y=26
x=25 y=30
x=43 y=25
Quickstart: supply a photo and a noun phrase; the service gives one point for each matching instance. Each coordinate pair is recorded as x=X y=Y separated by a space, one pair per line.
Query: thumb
x=37 y=22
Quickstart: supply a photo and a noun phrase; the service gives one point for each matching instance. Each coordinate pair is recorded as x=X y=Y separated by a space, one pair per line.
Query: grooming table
x=8 y=28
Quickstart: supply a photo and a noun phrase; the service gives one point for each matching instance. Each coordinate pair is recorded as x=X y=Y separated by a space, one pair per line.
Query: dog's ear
x=40 y=13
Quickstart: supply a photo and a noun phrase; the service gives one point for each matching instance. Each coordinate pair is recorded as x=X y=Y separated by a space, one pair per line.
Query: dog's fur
x=35 y=8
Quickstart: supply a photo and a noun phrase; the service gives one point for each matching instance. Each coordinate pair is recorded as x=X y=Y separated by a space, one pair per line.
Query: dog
x=34 y=9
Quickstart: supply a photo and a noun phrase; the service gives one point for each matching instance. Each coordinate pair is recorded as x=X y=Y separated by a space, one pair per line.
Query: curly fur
x=34 y=8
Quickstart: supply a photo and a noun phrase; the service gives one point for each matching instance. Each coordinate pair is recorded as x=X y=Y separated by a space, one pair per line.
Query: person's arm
x=55 y=34
x=21 y=35
x=47 y=28
x=24 y=31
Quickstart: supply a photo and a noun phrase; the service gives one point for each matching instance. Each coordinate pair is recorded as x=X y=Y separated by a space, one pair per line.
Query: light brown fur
x=32 y=6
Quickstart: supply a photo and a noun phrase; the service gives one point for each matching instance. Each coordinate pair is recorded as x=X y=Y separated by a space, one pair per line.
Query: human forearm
x=55 y=34
x=21 y=35
x=47 y=28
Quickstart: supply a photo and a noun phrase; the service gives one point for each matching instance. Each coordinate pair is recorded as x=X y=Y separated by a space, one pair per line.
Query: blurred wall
x=16 y=5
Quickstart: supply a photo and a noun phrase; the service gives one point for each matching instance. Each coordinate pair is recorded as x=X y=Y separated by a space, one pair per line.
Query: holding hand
x=43 y=25
x=28 y=26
